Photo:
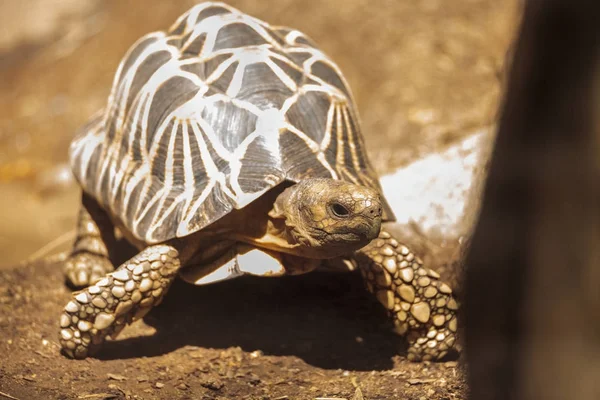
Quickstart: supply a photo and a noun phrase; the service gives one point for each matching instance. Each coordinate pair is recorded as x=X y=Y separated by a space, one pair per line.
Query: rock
x=116 y=377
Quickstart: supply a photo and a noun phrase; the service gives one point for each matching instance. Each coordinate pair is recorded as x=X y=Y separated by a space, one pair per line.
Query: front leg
x=121 y=297
x=421 y=305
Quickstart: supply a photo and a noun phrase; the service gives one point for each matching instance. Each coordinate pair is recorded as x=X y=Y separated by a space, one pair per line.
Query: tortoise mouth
x=360 y=235
x=369 y=230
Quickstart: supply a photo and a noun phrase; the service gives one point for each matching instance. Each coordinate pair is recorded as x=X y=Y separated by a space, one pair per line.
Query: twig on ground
x=8 y=396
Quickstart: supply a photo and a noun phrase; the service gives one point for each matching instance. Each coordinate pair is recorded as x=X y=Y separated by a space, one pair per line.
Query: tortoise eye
x=339 y=210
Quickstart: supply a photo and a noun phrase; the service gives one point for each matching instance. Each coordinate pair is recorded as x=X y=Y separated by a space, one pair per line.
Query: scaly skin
x=420 y=304
x=88 y=261
x=121 y=297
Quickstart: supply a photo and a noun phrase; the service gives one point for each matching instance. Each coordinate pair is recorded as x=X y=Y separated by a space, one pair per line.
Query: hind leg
x=88 y=261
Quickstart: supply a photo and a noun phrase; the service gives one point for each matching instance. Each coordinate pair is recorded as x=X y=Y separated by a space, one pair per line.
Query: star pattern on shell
x=208 y=116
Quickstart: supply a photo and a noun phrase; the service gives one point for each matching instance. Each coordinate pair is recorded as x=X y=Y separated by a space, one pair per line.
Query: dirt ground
x=424 y=74
x=306 y=337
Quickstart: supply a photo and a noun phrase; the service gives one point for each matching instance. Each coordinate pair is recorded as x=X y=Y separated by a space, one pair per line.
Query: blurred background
x=425 y=74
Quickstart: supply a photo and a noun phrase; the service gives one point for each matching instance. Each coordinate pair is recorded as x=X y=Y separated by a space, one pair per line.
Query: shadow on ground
x=328 y=320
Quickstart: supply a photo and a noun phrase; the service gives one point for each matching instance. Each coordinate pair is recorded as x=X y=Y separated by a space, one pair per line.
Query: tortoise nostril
x=373 y=211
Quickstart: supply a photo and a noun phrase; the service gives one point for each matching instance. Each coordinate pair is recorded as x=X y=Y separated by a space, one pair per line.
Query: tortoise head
x=328 y=218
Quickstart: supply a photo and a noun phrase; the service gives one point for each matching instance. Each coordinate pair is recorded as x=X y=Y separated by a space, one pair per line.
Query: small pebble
x=116 y=377
x=256 y=354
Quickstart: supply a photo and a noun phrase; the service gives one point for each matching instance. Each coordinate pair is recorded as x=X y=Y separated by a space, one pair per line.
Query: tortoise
x=229 y=147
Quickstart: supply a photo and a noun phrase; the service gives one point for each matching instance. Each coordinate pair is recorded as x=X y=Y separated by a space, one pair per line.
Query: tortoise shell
x=211 y=114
